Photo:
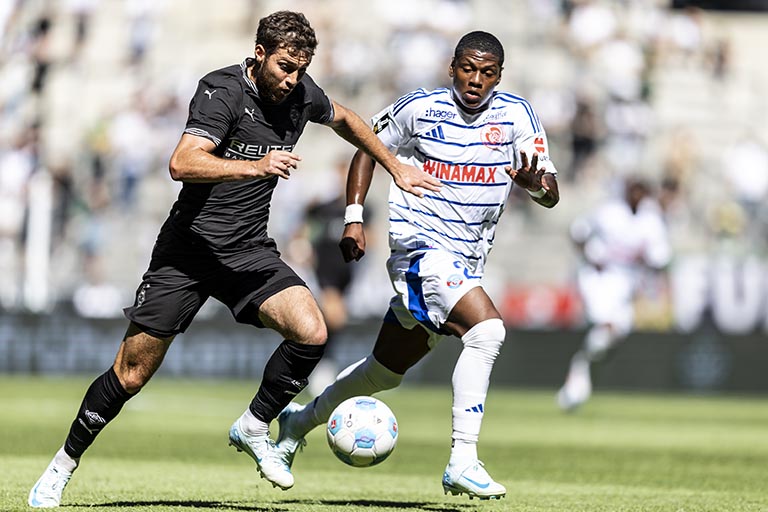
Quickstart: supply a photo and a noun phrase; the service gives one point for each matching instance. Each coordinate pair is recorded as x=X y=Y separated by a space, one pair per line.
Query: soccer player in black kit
x=244 y=121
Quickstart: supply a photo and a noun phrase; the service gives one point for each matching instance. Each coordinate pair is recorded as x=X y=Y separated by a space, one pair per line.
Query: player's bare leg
x=294 y=314
x=477 y=322
x=139 y=356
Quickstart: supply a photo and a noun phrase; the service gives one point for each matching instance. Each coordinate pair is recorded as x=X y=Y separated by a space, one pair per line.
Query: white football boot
x=262 y=450
x=47 y=490
x=473 y=480
x=289 y=441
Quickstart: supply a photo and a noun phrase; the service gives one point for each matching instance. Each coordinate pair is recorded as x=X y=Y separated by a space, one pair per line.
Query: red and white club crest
x=492 y=135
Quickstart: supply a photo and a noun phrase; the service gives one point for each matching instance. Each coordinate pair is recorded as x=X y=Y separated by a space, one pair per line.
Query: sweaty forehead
x=478 y=58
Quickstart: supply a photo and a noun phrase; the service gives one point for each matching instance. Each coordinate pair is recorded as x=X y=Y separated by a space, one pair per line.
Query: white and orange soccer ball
x=362 y=431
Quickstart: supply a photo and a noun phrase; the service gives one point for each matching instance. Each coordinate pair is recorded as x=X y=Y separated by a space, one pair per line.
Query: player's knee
x=486 y=336
x=133 y=377
x=314 y=332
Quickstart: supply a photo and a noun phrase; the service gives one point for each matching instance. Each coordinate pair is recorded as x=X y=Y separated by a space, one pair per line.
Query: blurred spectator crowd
x=94 y=97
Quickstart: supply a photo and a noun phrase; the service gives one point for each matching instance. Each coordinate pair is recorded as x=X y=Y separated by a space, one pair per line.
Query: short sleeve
x=320 y=106
x=392 y=124
x=530 y=137
x=212 y=110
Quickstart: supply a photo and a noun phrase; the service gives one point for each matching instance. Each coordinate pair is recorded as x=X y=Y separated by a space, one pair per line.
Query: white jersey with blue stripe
x=467 y=153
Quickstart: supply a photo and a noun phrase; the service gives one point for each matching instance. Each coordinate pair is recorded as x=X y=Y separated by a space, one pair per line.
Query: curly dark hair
x=286 y=29
x=482 y=41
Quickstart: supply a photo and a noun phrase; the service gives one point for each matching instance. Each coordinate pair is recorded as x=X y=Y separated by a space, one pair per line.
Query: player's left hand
x=352 y=243
x=528 y=176
x=411 y=179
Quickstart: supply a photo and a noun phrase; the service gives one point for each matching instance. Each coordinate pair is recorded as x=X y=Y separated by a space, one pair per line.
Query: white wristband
x=353 y=213
x=539 y=193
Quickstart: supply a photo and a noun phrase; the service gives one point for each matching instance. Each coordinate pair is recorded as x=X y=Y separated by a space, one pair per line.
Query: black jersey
x=227 y=110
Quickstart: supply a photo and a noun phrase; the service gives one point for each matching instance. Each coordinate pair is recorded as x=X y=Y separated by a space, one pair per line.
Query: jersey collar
x=244 y=67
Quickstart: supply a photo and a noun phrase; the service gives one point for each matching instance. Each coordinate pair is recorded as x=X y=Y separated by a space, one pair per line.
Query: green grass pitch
x=623 y=452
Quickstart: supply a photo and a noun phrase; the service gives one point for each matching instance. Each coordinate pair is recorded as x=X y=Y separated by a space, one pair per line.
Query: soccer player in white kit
x=477 y=142
x=618 y=241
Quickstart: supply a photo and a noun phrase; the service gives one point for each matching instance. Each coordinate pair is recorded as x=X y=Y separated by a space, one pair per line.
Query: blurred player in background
x=478 y=142
x=618 y=242
x=325 y=220
x=244 y=121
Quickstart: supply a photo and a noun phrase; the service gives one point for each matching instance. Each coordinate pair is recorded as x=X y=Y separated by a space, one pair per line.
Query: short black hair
x=286 y=29
x=481 y=41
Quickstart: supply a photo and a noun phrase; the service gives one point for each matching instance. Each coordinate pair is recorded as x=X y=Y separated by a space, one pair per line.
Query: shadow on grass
x=215 y=505
x=405 y=505
x=223 y=505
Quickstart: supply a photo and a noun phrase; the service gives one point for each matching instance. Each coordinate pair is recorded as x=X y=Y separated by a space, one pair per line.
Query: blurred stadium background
x=94 y=96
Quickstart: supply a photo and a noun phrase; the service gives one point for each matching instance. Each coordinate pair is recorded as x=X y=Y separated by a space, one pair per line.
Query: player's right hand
x=411 y=179
x=277 y=163
x=352 y=243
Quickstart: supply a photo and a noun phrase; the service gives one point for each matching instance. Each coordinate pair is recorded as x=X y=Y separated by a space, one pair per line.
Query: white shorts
x=428 y=283
x=607 y=296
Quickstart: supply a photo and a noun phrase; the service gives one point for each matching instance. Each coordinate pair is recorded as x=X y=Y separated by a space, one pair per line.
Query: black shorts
x=182 y=276
x=331 y=271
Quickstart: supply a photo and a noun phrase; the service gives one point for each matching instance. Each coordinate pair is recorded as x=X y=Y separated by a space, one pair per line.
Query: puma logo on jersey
x=250 y=113
x=209 y=93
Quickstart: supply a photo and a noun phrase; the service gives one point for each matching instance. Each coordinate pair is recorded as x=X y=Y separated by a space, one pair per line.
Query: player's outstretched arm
x=359 y=179
x=541 y=185
x=193 y=162
x=353 y=129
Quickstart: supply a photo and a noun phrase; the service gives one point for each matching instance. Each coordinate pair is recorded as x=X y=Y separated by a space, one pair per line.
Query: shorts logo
x=142 y=295
x=492 y=135
x=454 y=281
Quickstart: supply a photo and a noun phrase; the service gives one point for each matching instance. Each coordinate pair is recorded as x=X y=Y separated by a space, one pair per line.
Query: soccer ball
x=362 y=431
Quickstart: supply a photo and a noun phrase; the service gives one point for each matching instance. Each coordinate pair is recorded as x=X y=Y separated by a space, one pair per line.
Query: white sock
x=471 y=377
x=252 y=425
x=597 y=342
x=463 y=452
x=578 y=383
x=63 y=460
x=363 y=378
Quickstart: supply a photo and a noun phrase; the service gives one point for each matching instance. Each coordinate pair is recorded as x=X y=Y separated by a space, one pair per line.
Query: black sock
x=285 y=375
x=101 y=403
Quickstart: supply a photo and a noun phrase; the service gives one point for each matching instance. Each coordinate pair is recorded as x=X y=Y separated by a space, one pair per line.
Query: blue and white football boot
x=289 y=440
x=473 y=480
x=263 y=451
x=47 y=490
